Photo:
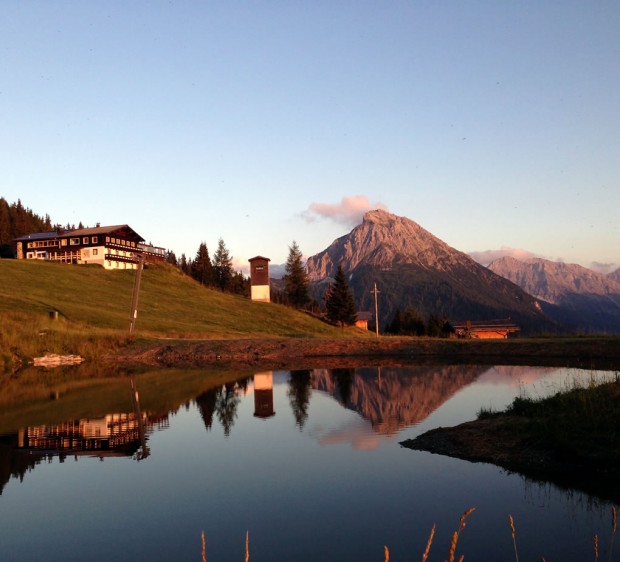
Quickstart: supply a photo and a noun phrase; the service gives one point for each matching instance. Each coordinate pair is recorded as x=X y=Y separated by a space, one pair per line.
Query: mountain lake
x=304 y=465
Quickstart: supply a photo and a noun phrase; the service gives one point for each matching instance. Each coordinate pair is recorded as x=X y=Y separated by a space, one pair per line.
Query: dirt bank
x=497 y=441
x=602 y=353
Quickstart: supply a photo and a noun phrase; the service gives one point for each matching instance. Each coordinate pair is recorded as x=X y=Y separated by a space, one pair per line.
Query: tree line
x=412 y=323
x=216 y=272
x=17 y=220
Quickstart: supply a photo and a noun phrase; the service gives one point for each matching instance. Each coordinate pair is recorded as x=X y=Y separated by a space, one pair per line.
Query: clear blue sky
x=491 y=124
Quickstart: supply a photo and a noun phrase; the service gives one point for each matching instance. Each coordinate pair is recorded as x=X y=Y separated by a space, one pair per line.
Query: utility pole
x=136 y=293
x=376 y=291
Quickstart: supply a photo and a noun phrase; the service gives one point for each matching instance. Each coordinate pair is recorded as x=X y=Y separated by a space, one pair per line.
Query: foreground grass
x=599 y=550
x=93 y=308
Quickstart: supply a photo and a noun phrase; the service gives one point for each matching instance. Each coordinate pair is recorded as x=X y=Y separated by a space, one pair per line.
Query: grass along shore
x=572 y=437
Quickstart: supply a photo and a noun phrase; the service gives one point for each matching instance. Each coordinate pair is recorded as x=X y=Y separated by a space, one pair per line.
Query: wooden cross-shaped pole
x=376 y=291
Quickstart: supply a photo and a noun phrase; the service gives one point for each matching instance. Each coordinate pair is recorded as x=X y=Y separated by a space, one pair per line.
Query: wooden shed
x=259 y=279
x=484 y=329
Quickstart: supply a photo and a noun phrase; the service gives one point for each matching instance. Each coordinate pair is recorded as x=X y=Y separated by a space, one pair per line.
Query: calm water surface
x=307 y=462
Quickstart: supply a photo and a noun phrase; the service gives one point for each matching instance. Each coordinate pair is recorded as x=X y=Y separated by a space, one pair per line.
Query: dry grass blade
x=595 y=540
x=613 y=530
x=386 y=554
x=455 y=536
x=204 y=547
x=514 y=536
x=428 y=544
x=247 y=546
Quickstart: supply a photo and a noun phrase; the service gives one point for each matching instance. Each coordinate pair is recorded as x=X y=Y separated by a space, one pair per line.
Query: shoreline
x=586 y=352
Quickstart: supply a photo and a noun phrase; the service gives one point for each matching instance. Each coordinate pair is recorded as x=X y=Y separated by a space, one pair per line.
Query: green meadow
x=93 y=309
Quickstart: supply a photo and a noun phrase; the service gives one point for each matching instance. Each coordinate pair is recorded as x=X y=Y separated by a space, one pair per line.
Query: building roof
x=484 y=325
x=97 y=230
x=259 y=258
x=363 y=316
x=37 y=236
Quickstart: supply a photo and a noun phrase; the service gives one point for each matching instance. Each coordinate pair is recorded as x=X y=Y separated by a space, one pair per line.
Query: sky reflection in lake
x=309 y=463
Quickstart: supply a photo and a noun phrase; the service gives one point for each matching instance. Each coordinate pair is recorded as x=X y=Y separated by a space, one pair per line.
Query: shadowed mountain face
x=578 y=297
x=413 y=268
x=615 y=275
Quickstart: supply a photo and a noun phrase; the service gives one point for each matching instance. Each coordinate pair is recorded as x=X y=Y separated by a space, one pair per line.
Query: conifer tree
x=171 y=258
x=184 y=265
x=201 y=268
x=296 y=279
x=222 y=267
x=339 y=302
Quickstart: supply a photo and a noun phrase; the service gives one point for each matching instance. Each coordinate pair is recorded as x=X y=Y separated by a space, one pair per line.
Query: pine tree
x=184 y=265
x=201 y=268
x=339 y=303
x=296 y=279
x=171 y=258
x=222 y=267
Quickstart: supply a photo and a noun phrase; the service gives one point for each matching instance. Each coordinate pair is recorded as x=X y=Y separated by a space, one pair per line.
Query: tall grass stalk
x=514 y=536
x=204 y=547
x=457 y=534
x=614 y=514
x=428 y=544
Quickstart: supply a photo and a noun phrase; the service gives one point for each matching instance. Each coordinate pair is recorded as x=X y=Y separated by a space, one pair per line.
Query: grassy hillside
x=94 y=304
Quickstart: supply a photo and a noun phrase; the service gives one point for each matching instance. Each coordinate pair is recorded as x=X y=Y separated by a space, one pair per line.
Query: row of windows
x=43 y=244
x=85 y=240
x=76 y=241
x=120 y=242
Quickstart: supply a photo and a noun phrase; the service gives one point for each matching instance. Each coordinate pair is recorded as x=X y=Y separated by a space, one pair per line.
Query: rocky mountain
x=414 y=268
x=615 y=275
x=582 y=299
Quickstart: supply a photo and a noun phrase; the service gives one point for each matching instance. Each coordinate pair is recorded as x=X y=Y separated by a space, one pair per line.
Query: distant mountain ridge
x=581 y=298
x=414 y=268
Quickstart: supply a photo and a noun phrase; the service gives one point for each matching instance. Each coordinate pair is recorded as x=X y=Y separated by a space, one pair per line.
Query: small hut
x=259 y=279
x=484 y=329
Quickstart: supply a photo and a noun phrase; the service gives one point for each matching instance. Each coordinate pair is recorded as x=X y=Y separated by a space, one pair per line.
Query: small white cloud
x=486 y=257
x=349 y=211
x=605 y=268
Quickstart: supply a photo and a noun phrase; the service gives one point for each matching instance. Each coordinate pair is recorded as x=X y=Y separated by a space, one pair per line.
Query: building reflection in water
x=263 y=395
x=115 y=434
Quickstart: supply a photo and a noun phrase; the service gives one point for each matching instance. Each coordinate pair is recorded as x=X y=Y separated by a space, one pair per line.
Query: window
x=95 y=251
x=95 y=239
x=63 y=242
x=31 y=244
x=85 y=240
x=74 y=241
x=107 y=238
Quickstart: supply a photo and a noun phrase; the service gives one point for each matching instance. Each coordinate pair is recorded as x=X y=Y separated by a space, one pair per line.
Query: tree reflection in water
x=299 y=389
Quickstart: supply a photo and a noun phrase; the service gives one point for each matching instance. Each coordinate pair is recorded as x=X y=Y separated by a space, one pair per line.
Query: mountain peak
x=382 y=240
x=379 y=216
